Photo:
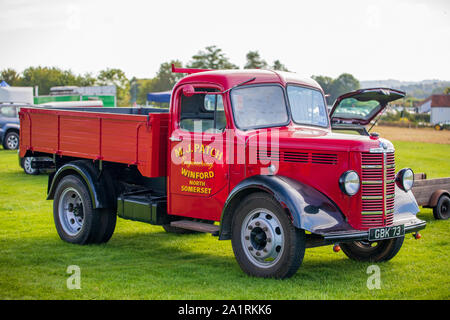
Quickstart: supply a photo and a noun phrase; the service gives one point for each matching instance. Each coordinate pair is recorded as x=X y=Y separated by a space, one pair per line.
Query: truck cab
x=247 y=155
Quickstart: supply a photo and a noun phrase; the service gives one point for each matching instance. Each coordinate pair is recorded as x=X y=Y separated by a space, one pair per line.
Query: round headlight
x=405 y=179
x=349 y=182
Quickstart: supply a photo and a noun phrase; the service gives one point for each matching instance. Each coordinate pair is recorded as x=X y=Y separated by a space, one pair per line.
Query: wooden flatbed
x=133 y=136
x=432 y=193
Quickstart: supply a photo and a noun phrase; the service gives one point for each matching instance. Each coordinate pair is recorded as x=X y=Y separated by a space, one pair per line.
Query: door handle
x=175 y=139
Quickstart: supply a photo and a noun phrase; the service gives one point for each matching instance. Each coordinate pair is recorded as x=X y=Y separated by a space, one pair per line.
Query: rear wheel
x=441 y=211
x=265 y=242
x=376 y=251
x=11 y=141
x=75 y=218
x=27 y=168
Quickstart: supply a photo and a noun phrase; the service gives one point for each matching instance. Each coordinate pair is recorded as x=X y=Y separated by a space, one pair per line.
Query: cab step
x=196 y=226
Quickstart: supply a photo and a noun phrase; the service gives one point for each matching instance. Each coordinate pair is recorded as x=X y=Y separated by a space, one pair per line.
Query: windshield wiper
x=239 y=84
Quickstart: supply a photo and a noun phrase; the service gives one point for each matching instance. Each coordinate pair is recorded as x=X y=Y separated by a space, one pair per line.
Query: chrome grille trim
x=377 y=189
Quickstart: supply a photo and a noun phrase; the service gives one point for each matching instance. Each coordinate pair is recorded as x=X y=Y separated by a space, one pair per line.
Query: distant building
x=107 y=94
x=16 y=94
x=439 y=107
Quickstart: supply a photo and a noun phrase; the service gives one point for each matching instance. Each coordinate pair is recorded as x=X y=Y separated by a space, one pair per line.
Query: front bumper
x=412 y=224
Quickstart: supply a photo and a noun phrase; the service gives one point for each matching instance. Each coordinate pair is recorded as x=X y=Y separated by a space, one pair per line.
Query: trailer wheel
x=264 y=241
x=441 y=211
x=376 y=251
x=75 y=218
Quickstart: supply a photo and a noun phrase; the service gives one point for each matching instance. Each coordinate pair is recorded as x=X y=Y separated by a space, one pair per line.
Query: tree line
x=134 y=90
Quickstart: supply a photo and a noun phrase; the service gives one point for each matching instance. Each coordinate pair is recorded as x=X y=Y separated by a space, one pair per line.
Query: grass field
x=427 y=135
x=143 y=262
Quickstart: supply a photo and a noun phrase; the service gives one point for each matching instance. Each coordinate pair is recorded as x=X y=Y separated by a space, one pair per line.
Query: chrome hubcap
x=262 y=238
x=12 y=142
x=71 y=213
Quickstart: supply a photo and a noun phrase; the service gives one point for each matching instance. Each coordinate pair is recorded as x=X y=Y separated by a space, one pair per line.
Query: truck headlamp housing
x=349 y=182
x=405 y=179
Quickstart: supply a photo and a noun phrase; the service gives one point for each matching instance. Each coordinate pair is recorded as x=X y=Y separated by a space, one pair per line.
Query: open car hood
x=361 y=106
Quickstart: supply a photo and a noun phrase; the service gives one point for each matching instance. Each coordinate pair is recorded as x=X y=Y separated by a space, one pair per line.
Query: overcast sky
x=374 y=39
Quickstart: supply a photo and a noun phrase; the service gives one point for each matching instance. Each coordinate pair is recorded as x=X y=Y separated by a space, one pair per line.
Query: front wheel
x=264 y=241
x=372 y=251
x=11 y=141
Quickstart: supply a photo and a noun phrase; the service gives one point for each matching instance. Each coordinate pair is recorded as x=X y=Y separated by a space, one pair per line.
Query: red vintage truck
x=247 y=155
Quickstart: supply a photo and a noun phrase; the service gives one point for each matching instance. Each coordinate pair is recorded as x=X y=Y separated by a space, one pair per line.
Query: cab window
x=259 y=107
x=307 y=106
x=202 y=112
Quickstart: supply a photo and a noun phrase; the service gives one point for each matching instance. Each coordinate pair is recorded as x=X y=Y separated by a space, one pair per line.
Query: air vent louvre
x=290 y=156
x=297 y=157
x=324 y=158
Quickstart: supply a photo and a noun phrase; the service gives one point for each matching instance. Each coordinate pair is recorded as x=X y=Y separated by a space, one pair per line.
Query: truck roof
x=230 y=78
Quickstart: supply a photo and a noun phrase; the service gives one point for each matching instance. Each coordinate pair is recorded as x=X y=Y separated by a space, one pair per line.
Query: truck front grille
x=378 y=189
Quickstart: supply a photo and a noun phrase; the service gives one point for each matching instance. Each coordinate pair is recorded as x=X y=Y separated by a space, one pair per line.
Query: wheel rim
x=262 y=238
x=12 y=141
x=27 y=165
x=367 y=245
x=71 y=213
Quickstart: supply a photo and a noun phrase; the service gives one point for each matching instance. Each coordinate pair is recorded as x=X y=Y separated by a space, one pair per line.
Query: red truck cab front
x=251 y=149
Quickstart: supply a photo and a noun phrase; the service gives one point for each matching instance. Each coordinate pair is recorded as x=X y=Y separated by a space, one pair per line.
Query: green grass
x=143 y=262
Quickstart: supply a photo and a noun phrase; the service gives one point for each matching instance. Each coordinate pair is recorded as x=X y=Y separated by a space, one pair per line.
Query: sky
x=407 y=40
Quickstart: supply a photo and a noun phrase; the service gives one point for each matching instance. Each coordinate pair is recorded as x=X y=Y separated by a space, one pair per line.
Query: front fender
x=405 y=205
x=6 y=128
x=11 y=126
x=308 y=208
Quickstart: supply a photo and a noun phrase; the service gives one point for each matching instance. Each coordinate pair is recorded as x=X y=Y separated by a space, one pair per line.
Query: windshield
x=351 y=108
x=307 y=106
x=259 y=106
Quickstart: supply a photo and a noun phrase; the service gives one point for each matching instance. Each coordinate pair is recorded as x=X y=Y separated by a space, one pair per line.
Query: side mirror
x=188 y=90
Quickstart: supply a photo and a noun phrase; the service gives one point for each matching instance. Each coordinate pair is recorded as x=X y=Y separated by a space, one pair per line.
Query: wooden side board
x=424 y=189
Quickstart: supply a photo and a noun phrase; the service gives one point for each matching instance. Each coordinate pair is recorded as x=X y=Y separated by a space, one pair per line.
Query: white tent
x=16 y=94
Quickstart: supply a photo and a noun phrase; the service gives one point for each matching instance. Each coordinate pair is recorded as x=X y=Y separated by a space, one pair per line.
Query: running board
x=196 y=226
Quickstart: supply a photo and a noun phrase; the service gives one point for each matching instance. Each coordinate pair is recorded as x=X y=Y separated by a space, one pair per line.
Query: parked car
x=9 y=125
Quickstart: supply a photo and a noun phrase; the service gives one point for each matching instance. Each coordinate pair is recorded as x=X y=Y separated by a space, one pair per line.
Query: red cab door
x=198 y=173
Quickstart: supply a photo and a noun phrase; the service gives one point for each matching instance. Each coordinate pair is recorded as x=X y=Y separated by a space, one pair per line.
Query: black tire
x=75 y=218
x=11 y=141
x=380 y=251
x=107 y=225
x=26 y=165
x=441 y=211
x=264 y=240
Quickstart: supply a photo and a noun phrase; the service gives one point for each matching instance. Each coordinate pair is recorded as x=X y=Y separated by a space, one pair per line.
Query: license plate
x=386 y=232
